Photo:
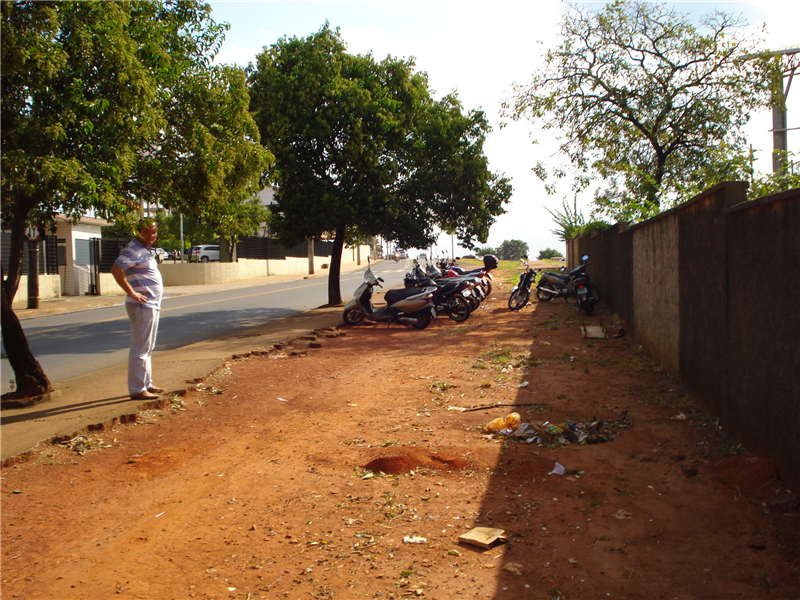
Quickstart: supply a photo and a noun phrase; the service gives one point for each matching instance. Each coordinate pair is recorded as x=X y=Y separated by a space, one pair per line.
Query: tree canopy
x=549 y=253
x=512 y=250
x=109 y=104
x=362 y=149
x=640 y=96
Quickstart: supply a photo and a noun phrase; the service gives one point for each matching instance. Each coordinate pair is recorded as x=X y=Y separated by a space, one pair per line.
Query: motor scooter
x=410 y=306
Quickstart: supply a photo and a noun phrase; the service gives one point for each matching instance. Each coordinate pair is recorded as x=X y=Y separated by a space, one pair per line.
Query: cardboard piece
x=595 y=332
x=483 y=537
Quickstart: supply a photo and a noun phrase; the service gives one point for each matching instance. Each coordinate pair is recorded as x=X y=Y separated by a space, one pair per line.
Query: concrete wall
x=49 y=287
x=656 y=295
x=761 y=403
x=219 y=272
x=710 y=289
x=107 y=284
x=704 y=319
x=605 y=253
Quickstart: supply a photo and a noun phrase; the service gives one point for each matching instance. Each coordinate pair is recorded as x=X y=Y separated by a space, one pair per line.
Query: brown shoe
x=144 y=396
x=156 y=390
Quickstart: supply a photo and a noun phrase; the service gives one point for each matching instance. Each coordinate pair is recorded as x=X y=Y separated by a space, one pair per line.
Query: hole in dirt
x=408 y=459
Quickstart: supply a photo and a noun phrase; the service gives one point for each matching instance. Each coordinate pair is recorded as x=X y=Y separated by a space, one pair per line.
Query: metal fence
x=48 y=254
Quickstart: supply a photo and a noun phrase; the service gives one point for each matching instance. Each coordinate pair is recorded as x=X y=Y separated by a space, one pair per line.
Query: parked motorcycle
x=477 y=283
x=553 y=285
x=573 y=284
x=522 y=291
x=451 y=295
x=410 y=306
x=489 y=263
x=586 y=292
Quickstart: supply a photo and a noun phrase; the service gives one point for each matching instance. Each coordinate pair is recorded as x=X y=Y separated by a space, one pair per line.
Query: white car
x=204 y=253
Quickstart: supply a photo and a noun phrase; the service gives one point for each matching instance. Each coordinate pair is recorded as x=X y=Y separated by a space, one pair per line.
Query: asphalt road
x=78 y=343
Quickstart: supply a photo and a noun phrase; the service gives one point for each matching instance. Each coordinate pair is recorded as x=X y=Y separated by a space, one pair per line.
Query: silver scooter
x=410 y=306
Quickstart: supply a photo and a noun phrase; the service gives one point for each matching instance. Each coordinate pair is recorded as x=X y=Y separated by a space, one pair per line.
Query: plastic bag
x=510 y=422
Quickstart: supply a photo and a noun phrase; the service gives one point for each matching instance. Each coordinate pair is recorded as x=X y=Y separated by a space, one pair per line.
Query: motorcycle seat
x=393 y=296
x=562 y=276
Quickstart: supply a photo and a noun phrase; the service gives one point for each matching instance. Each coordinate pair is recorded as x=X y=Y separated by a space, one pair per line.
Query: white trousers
x=144 y=328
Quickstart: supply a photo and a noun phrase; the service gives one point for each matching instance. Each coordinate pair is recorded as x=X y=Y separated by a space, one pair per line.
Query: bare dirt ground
x=343 y=466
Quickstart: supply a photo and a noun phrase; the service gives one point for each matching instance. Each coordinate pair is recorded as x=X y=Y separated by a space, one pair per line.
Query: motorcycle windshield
x=369 y=276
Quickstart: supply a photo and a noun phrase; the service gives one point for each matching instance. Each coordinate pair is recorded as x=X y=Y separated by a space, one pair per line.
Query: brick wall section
x=703 y=272
x=762 y=395
x=656 y=293
x=711 y=289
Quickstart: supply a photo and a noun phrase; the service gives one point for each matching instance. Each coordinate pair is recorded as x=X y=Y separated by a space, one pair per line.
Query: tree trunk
x=30 y=378
x=334 y=287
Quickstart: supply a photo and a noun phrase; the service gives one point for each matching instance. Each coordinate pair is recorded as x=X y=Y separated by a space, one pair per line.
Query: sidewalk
x=100 y=398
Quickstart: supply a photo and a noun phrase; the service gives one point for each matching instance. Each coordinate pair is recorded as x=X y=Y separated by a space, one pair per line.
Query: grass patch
x=458 y=330
x=440 y=387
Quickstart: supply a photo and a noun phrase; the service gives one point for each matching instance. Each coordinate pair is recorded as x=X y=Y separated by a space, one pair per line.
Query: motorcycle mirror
x=585 y=257
x=380 y=279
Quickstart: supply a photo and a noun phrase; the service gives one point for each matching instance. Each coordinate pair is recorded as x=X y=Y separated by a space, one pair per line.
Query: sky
x=480 y=49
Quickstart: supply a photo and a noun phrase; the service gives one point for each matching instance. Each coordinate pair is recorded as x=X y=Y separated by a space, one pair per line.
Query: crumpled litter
x=500 y=425
x=414 y=539
x=592 y=431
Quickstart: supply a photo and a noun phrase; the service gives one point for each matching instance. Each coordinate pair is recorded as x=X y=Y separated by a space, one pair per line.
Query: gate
x=86 y=266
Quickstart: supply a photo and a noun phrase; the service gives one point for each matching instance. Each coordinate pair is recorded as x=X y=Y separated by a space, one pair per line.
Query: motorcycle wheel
x=488 y=287
x=353 y=316
x=473 y=302
x=458 y=309
x=423 y=320
x=594 y=294
x=518 y=299
x=592 y=299
x=544 y=296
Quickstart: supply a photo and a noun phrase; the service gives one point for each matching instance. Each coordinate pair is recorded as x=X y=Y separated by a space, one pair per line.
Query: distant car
x=204 y=253
x=161 y=254
x=422 y=256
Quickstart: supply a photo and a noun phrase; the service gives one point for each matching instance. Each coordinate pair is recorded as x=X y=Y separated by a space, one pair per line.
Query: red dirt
x=256 y=483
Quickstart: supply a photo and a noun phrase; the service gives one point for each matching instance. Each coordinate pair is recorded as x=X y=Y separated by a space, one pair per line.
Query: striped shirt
x=141 y=270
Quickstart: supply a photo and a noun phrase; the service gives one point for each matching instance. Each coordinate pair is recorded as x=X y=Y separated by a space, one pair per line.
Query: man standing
x=136 y=272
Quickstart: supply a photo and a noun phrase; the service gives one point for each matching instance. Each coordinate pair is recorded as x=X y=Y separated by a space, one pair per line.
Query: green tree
x=90 y=106
x=195 y=232
x=570 y=222
x=484 y=250
x=548 y=253
x=353 y=140
x=239 y=219
x=640 y=95
x=512 y=250
x=207 y=161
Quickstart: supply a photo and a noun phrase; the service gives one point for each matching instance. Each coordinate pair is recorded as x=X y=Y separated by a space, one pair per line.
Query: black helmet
x=490 y=261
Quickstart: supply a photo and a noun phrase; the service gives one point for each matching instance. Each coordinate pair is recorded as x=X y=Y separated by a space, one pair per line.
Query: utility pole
x=33 y=267
x=780 y=127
